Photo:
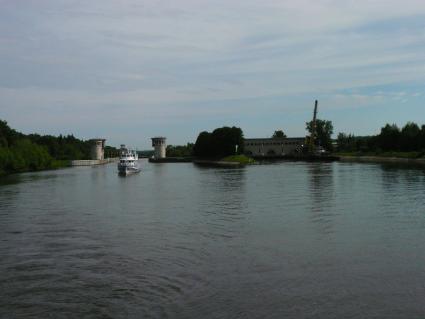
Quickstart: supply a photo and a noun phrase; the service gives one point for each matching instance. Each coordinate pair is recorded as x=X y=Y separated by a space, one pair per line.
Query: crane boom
x=313 y=129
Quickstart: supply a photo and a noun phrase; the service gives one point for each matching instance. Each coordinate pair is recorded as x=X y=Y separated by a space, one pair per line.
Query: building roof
x=276 y=139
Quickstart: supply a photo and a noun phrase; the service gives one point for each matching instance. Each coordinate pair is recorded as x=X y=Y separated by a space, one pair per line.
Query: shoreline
x=381 y=159
x=212 y=163
x=60 y=164
x=171 y=160
x=302 y=158
x=53 y=168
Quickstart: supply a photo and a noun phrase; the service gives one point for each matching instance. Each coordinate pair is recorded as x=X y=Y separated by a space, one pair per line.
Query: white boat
x=128 y=163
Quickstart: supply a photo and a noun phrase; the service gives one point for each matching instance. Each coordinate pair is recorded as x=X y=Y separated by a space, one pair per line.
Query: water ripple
x=286 y=240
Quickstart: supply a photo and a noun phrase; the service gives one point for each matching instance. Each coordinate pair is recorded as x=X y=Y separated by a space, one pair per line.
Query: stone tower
x=159 y=144
x=97 y=149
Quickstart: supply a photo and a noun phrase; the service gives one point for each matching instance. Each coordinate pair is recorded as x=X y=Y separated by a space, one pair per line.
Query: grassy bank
x=56 y=164
x=233 y=161
x=242 y=159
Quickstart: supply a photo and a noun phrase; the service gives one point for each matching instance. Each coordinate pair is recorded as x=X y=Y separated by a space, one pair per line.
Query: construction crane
x=313 y=134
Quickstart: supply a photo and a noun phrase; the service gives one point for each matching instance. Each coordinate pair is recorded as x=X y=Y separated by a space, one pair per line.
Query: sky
x=129 y=70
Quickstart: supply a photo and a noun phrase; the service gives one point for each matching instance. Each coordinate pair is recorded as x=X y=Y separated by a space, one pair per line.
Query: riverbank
x=390 y=154
x=58 y=164
x=228 y=161
x=211 y=163
x=55 y=164
x=301 y=157
x=171 y=160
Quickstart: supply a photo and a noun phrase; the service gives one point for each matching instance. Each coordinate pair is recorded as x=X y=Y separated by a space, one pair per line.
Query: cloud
x=164 y=61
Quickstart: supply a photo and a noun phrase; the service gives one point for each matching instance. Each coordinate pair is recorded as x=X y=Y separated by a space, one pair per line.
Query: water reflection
x=223 y=189
x=400 y=183
x=392 y=173
x=222 y=200
x=322 y=191
x=10 y=179
x=31 y=177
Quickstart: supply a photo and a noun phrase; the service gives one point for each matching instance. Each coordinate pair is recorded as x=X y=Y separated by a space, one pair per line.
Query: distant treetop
x=223 y=141
x=278 y=134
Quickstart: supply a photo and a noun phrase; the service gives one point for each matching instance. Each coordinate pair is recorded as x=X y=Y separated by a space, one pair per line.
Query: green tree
x=19 y=152
x=346 y=142
x=8 y=136
x=6 y=159
x=422 y=138
x=202 y=146
x=221 y=142
x=278 y=134
x=389 y=138
x=410 y=136
x=180 y=150
x=324 y=131
x=351 y=143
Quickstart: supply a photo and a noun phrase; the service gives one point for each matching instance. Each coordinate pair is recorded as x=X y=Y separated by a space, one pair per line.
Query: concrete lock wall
x=273 y=146
x=93 y=162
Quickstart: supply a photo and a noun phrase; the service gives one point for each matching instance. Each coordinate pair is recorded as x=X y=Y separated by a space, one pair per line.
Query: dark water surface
x=285 y=240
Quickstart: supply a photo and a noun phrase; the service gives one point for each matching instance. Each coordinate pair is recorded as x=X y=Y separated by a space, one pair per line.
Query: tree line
x=409 y=138
x=63 y=147
x=20 y=152
x=227 y=141
x=180 y=150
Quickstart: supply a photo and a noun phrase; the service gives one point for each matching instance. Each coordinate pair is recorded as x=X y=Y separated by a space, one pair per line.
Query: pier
x=93 y=162
x=97 y=155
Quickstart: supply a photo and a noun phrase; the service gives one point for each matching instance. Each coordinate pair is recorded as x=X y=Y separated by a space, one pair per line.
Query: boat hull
x=124 y=171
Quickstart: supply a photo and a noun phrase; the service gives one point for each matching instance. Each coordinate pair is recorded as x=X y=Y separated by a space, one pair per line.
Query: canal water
x=279 y=240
